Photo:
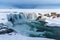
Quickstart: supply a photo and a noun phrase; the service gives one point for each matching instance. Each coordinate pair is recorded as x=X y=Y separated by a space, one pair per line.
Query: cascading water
x=26 y=24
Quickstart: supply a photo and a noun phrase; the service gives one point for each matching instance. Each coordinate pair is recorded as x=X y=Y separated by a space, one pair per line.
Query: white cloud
x=27 y=3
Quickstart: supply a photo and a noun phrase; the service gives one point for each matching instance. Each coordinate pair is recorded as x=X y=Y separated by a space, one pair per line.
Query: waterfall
x=21 y=17
x=25 y=24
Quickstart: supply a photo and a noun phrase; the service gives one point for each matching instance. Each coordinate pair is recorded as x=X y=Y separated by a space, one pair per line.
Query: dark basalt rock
x=6 y=30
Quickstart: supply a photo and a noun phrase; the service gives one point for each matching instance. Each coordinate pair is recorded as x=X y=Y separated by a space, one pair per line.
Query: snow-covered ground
x=53 y=22
x=20 y=37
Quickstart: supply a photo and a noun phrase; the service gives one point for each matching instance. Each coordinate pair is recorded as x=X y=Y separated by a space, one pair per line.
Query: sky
x=34 y=4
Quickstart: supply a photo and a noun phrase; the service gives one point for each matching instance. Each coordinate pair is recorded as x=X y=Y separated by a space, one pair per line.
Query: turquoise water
x=32 y=27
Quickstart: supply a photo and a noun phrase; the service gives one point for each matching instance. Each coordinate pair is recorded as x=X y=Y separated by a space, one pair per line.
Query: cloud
x=30 y=3
x=48 y=6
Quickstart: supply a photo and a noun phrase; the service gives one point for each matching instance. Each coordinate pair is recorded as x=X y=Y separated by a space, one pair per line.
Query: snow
x=20 y=37
x=3 y=17
x=53 y=22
